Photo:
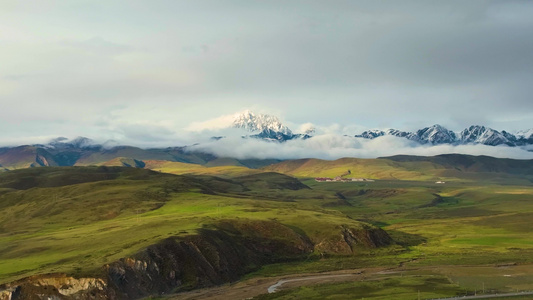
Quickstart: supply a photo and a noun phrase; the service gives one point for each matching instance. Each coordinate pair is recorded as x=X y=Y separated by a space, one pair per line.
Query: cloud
x=330 y=146
x=221 y=122
x=306 y=128
x=401 y=64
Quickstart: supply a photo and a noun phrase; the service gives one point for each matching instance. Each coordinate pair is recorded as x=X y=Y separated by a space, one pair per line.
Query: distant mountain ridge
x=476 y=134
x=82 y=151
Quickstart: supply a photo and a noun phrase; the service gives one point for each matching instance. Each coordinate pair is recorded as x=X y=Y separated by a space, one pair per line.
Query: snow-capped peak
x=79 y=142
x=436 y=134
x=371 y=134
x=259 y=123
x=527 y=134
x=483 y=135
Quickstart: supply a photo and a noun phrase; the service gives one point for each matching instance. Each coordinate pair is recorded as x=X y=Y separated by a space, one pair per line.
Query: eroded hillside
x=112 y=232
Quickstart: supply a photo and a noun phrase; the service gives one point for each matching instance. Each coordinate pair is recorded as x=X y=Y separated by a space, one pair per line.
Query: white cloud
x=221 y=122
x=401 y=64
x=306 y=128
x=330 y=146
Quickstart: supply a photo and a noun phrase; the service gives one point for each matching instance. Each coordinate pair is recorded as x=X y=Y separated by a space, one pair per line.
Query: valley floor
x=466 y=237
x=394 y=283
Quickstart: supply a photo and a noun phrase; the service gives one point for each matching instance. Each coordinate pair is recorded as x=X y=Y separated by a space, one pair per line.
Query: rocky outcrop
x=215 y=256
x=351 y=240
x=55 y=286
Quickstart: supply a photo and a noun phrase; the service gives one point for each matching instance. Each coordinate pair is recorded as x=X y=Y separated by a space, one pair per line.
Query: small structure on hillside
x=323 y=179
x=340 y=179
x=362 y=179
x=440 y=182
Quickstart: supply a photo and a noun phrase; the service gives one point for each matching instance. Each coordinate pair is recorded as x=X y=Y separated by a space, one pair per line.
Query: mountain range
x=476 y=134
x=268 y=127
x=83 y=151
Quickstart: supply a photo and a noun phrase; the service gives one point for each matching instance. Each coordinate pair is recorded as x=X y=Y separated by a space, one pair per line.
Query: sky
x=141 y=72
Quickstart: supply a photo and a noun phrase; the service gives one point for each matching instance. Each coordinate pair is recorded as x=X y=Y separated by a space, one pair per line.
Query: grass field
x=376 y=287
x=457 y=237
x=77 y=228
x=474 y=235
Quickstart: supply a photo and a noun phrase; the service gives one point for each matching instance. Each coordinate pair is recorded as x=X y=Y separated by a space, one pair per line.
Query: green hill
x=128 y=232
x=180 y=168
x=75 y=220
x=452 y=167
x=474 y=164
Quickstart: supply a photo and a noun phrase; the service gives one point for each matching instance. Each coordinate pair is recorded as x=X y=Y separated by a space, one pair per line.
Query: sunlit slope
x=441 y=167
x=185 y=168
x=93 y=158
x=458 y=222
x=166 y=154
x=77 y=219
x=365 y=168
x=123 y=162
x=225 y=169
x=25 y=157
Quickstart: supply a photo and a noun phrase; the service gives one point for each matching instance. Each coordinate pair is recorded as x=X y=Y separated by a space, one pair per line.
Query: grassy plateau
x=469 y=235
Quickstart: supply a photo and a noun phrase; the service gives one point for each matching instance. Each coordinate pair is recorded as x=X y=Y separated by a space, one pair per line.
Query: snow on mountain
x=262 y=126
x=260 y=122
x=371 y=134
x=266 y=127
x=269 y=127
x=483 y=135
x=436 y=134
x=526 y=134
x=399 y=133
x=79 y=142
x=476 y=134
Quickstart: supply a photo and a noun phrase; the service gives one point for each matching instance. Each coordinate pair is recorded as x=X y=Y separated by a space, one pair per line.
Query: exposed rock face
x=215 y=256
x=435 y=135
x=260 y=122
x=55 y=286
x=371 y=134
x=476 y=134
x=351 y=240
x=211 y=258
x=486 y=136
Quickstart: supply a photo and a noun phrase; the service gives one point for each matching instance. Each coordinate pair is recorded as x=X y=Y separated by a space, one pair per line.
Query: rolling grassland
x=470 y=235
x=460 y=239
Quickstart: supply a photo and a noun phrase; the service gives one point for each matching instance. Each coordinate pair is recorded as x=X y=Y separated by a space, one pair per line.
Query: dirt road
x=253 y=287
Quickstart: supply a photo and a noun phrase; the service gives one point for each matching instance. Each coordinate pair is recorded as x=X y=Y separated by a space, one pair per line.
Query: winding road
x=273 y=288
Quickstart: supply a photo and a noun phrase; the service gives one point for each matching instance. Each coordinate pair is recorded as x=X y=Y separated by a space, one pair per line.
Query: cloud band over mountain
x=246 y=135
x=330 y=146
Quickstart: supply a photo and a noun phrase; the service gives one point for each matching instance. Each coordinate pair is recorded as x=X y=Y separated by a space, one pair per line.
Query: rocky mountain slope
x=438 y=134
x=83 y=151
x=266 y=127
x=260 y=122
x=62 y=152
